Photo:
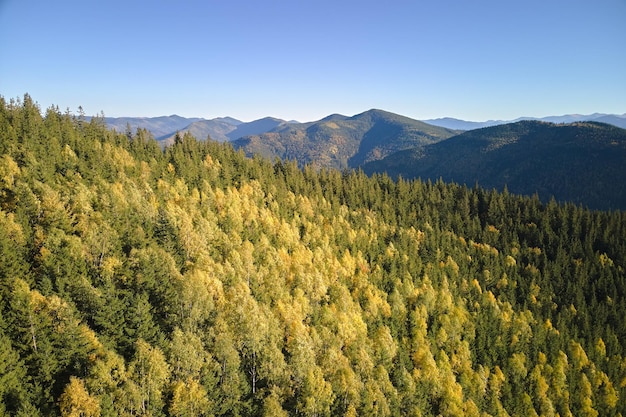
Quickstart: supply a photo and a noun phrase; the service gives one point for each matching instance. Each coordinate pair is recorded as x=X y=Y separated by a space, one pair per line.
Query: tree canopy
x=194 y=281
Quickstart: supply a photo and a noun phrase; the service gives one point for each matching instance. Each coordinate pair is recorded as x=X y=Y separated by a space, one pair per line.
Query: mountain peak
x=333 y=117
x=337 y=141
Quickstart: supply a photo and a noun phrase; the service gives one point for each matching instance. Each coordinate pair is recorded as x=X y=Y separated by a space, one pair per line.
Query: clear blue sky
x=305 y=59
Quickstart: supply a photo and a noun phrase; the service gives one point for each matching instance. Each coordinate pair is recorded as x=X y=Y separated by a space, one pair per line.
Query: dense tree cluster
x=194 y=281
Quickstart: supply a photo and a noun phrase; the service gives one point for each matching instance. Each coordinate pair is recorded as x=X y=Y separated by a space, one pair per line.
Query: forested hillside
x=196 y=281
x=582 y=163
x=343 y=142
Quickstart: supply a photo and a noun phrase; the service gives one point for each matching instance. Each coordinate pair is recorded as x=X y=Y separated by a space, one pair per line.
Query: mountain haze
x=216 y=129
x=581 y=162
x=255 y=127
x=158 y=126
x=452 y=123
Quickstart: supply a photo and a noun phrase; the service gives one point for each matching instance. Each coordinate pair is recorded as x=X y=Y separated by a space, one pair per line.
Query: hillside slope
x=191 y=280
x=341 y=142
x=584 y=163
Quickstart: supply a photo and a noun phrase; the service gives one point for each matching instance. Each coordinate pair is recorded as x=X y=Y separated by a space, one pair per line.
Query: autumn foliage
x=194 y=281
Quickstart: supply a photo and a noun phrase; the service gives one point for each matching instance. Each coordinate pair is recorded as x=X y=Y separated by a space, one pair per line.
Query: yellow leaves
x=424 y=363
x=517 y=362
x=68 y=154
x=53 y=208
x=375 y=304
x=451 y=266
x=189 y=399
x=600 y=347
x=317 y=395
x=9 y=171
x=510 y=261
x=534 y=292
x=540 y=388
x=90 y=337
x=150 y=372
x=391 y=251
x=187 y=355
x=384 y=346
x=305 y=207
x=52 y=308
x=107 y=374
x=351 y=411
x=212 y=165
x=344 y=380
x=77 y=402
x=350 y=327
x=485 y=248
x=606 y=393
x=605 y=261
x=461 y=359
x=272 y=405
x=378 y=393
x=11 y=228
x=118 y=157
x=193 y=243
x=548 y=326
x=470 y=409
x=492 y=229
x=585 y=398
x=496 y=380
x=503 y=282
x=109 y=265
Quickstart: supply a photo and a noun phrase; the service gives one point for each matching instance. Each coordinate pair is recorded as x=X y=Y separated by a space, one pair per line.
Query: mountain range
x=583 y=162
x=341 y=142
x=452 y=123
x=222 y=129
x=162 y=126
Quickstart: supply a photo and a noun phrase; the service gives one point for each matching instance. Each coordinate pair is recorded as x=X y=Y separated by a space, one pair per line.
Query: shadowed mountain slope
x=580 y=162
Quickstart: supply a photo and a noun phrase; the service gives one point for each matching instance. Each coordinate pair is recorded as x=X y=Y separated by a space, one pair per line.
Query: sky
x=303 y=59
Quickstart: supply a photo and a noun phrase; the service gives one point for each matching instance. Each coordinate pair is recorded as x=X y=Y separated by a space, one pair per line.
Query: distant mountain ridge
x=158 y=126
x=339 y=141
x=452 y=123
x=582 y=162
x=223 y=129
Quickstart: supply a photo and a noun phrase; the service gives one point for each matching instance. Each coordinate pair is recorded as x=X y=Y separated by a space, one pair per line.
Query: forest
x=196 y=281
